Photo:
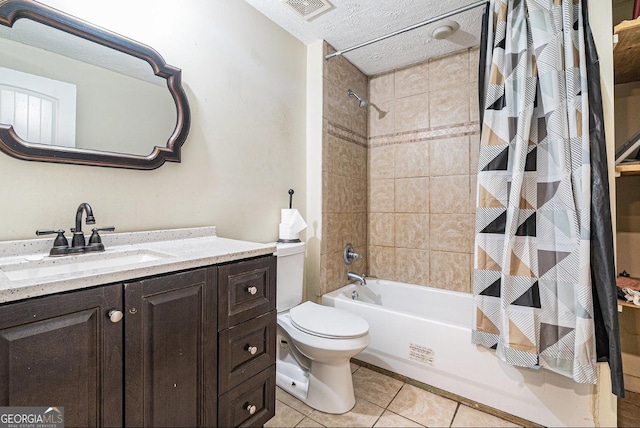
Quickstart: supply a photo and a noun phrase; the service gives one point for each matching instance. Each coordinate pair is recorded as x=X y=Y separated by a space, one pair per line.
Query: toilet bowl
x=315 y=344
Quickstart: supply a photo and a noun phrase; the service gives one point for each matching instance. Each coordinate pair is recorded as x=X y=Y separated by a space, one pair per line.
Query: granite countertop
x=140 y=254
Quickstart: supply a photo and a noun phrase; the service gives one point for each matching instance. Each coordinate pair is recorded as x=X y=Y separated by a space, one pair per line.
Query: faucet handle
x=103 y=229
x=48 y=231
x=349 y=254
x=60 y=244
x=95 y=237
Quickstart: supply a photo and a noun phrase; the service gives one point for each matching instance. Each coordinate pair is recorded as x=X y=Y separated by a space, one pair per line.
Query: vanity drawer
x=237 y=363
x=235 y=408
x=246 y=290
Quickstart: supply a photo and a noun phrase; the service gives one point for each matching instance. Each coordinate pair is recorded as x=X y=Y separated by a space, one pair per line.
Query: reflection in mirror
x=66 y=94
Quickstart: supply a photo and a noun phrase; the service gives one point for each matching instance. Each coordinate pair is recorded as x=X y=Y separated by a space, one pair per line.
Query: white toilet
x=315 y=342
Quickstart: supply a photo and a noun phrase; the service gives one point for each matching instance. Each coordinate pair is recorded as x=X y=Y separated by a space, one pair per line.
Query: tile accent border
x=464 y=129
x=346 y=134
x=467 y=402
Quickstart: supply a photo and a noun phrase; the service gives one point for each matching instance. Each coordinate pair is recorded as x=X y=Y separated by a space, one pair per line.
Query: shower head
x=362 y=102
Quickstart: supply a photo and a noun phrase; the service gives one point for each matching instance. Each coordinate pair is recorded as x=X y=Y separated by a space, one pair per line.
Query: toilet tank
x=290 y=275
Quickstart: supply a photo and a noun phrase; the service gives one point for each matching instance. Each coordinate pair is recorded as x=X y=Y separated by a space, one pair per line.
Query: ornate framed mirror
x=71 y=92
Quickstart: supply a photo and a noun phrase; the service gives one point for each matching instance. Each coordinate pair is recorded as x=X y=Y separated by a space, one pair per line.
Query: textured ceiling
x=352 y=22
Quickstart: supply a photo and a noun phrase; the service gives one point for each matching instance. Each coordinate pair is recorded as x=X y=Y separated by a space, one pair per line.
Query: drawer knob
x=115 y=316
x=252 y=290
x=251 y=409
x=252 y=349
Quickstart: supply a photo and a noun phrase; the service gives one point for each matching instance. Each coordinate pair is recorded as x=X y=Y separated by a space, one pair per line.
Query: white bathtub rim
x=344 y=293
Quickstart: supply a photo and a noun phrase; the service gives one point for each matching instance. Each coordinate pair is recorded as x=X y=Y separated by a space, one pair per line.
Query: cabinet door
x=170 y=341
x=63 y=351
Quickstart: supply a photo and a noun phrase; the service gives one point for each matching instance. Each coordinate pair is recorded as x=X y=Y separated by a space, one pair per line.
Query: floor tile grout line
x=454 y=415
x=395 y=395
x=295 y=410
x=376 y=421
x=395 y=413
x=386 y=408
x=310 y=418
x=407 y=418
x=377 y=405
x=319 y=423
x=307 y=416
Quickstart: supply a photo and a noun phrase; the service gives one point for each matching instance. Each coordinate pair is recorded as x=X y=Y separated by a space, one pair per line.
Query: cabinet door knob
x=115 y=315
x=252 y=349
x=251 y=409
x=252 y=290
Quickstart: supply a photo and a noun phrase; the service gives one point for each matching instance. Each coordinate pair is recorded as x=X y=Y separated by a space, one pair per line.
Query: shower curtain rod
x=412 y=27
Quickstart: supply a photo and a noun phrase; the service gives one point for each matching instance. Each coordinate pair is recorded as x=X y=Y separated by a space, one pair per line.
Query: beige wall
x=344 y=171
x=315 y=89
x=246 y=82
x=423 y=137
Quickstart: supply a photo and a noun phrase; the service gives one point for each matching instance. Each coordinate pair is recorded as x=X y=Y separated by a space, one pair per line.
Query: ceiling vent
x=309 y=9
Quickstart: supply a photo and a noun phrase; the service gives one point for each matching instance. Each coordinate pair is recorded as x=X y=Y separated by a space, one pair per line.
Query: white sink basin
x=19 y=270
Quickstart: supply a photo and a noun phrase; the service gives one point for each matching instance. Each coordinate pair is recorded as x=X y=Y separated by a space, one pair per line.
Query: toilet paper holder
x=291 y=223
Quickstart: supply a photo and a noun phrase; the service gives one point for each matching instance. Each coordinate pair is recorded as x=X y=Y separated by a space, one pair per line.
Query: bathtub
x=424 y=333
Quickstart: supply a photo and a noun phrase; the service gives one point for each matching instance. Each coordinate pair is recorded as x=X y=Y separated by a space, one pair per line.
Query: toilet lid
x=326 y=321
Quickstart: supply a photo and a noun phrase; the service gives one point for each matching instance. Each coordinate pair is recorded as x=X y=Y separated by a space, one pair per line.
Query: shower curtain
x=532 y=279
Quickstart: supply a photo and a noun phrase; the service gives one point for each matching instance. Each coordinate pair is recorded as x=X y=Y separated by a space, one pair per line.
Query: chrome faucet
x=349 y=254
x=78 y=236
x=352 y=276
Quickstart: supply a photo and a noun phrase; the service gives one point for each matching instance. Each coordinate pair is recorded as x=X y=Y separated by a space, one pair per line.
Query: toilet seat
x=328 y=322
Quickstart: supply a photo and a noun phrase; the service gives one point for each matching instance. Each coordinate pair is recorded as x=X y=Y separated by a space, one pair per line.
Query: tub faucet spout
x=352 y=276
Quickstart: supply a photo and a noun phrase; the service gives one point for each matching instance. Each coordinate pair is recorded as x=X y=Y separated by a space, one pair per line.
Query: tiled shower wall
x=344 y=171
x=423 y=142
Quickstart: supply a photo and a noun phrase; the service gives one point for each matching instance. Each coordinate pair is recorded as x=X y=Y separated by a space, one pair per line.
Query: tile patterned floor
x=382 y=401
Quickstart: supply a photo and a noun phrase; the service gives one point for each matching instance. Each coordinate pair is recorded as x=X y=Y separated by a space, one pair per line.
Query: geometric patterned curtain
x=532 y=284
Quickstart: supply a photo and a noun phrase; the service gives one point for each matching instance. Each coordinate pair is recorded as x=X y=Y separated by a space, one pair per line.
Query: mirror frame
x=13 y=145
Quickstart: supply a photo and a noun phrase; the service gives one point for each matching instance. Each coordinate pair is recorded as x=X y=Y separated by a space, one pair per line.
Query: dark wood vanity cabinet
x=170 y=350
x=195 y=348
x=63 y=350
x=247 y=342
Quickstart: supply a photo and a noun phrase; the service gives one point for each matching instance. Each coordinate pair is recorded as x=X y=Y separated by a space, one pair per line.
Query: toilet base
x=331 y=387
x=292 y=379
x=318 y=364
x=324 y=388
